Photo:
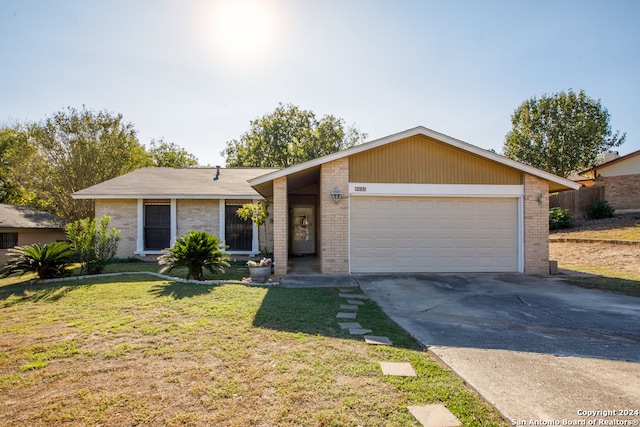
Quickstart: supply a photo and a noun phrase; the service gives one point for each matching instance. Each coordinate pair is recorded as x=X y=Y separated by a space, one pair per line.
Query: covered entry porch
x=309 y=227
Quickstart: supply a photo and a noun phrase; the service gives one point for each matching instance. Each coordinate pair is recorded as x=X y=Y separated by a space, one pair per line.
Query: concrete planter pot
x=260 y=274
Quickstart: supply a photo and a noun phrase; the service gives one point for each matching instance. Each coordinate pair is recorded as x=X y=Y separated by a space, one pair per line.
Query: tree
x=560 y=133
x=18 y=157
x=47 y=261
x=169 y=155
x=287 y=136
x=196 y=251
x=80 y=149
x=94 y=243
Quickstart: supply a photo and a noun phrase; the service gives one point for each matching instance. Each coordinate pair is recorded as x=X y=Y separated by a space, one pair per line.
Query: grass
x=608 y=282
x=616 y=266
x=627 y=228
x=135 y=350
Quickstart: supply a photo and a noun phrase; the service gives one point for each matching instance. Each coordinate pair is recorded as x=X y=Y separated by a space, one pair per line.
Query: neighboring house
x=20 y=226
x=416 y=201
x=620 y=178
x=154 y=206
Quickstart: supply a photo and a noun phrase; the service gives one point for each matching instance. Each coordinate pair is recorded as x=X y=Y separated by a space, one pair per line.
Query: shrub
x=196 y=251
x=95 y=244
x=47 y=261
x=601 y=209
x=560 y=218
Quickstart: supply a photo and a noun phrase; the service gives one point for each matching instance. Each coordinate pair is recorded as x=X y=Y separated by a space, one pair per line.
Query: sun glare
x=243 y=30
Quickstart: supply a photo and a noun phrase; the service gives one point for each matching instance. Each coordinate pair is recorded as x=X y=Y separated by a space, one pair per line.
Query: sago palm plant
x=47 y=261
x=196 y=251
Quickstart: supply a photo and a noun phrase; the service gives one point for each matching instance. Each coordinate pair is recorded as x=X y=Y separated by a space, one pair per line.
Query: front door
x=303 y=239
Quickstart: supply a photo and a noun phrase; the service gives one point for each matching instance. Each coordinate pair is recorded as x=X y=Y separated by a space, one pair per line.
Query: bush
x=196 y=251
x=560 y=218
x=95 y=244
x=601 y=209
x=47 y=261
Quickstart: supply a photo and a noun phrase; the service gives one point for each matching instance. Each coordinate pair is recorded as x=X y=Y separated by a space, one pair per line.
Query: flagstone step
x=346 y=315
x=350 y=325
x=374 y=340
x=434 y=416
x=397 y=369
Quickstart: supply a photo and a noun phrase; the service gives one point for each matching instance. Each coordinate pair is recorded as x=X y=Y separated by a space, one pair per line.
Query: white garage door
x=433 y=234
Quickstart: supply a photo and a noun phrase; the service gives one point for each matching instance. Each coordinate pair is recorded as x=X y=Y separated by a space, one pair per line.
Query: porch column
x=536 y=225
x=334 y=218
x=280 y=210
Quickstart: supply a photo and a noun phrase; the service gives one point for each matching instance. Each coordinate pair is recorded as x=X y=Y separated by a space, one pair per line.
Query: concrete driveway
x=534 y=347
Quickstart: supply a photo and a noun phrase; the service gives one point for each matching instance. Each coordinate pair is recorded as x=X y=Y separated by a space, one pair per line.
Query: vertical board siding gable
x=423 y=160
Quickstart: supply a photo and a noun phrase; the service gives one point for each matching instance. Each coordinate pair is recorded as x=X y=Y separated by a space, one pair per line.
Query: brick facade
x=124 y=217
x=191 y=215
x=198 y=215
x=536 y=225
x=622 y=192
x=334 y=218
x=280 y=211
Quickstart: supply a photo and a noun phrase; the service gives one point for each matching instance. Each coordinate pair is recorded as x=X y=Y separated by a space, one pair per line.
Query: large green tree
x=560 y=133
x=81 y=148
x=43 y=163
x=287 y=136
x=169 y=155
x=18 y=158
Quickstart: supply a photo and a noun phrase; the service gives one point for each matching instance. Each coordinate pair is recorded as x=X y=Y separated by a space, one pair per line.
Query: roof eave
x=420 y=130
x=165 y=196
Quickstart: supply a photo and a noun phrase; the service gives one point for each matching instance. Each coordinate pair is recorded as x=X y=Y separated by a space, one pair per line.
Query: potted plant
x=259 y=271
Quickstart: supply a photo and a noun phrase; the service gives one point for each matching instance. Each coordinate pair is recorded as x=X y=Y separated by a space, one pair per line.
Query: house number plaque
x=360 y=188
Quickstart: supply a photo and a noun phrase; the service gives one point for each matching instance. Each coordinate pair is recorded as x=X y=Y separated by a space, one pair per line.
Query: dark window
x=157 y=227
x=238 y=234
x=8 y=240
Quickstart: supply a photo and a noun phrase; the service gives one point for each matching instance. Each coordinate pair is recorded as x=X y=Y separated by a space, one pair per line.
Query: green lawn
x=133 y=350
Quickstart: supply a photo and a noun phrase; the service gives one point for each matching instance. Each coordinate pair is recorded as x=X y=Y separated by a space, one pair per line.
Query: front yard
x=617 y=265
x=135 y=350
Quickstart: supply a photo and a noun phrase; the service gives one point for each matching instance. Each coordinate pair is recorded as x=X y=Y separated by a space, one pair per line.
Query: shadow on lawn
x=34 y=291
x=29 y=291
x=179 y=290
x=313 y=312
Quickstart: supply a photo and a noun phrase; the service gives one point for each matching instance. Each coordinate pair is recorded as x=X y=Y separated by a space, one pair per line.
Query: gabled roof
x=556 y=183
x=177 y=183
x=612 y=162
x=23 y=217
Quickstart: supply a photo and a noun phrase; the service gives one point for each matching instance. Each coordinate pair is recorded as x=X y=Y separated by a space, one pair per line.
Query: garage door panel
x=428 y=234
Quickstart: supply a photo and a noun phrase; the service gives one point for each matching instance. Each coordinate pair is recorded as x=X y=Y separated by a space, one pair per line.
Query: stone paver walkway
x=429 y=415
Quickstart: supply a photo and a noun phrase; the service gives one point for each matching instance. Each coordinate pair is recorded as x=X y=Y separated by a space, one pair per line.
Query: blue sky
x=196 y=72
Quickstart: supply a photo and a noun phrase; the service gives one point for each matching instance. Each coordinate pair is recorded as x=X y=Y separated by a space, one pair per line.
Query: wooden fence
x=577 y=201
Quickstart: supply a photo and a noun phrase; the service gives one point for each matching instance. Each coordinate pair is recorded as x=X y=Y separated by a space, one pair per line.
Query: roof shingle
x=177 y=183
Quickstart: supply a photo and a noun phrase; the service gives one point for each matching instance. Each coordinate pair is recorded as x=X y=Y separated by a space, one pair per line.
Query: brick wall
x=536 y=225
x=124 y=217
x=198 y=215
x=334 y=218
x=622 y=192
x=280 y=212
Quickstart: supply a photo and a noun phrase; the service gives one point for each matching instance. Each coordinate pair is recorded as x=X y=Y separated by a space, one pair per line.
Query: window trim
x=140 y=246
